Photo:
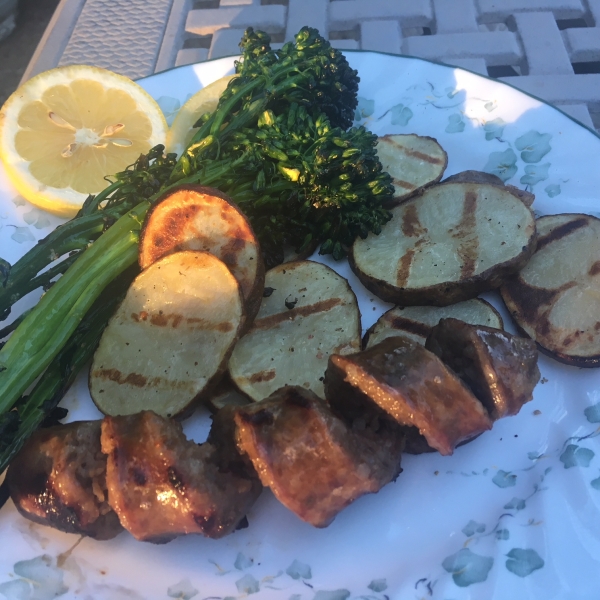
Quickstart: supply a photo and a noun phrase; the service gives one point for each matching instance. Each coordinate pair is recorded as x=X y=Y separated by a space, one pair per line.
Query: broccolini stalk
x=31 y=410
x=47 y=328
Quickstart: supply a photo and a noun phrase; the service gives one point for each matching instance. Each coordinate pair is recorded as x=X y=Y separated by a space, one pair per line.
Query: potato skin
x=472 y=176
x=481 y=177
x=584 y=362
x=252 y=302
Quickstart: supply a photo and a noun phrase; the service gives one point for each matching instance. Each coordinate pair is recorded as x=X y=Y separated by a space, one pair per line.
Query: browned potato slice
x=413 y=161
x=555 y=299
x=171 y=337
x=200 y=218
x=416 y=322
x=448 y=245
x=310 y=313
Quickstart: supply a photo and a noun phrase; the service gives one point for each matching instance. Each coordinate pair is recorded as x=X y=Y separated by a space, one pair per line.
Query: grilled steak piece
x=314 y=464
x=58 y=479
x=162 y=485
x=400 y=378
x=500 y=368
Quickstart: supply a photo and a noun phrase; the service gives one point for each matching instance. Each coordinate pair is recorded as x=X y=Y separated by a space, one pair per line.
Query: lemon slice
x=204 y=101
x=63 y=131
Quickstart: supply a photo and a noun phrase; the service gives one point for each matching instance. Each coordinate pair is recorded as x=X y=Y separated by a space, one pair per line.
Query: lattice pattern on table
x=121 y=35
x=550 y=48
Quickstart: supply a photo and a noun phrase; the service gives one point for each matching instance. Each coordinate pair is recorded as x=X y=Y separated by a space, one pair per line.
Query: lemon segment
x=65 y=130
x=206 y=100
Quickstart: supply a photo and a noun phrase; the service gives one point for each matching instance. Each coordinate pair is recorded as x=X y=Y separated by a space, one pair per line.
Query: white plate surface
x=513 y=515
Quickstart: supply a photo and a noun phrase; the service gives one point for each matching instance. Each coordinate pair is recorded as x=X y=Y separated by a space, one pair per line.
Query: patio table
x=549 y=48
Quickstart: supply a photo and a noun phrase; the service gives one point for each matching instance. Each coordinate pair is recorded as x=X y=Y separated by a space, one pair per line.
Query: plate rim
x=406 y=56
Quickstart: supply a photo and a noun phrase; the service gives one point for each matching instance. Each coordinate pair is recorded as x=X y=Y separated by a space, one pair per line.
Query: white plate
x=513 y=515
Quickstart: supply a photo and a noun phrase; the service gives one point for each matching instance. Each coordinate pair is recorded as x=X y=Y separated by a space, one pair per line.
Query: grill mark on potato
x=465 y=231
x=170 y=226
x=535 y=303
x=403 y=184
x=163 y=319
x=595 y=268
x=411 y=226
x=560 y=232
x=294 y=313
x=138 y=380
x=408 y=325
x=434 y=160
x=262 y=376
x=115 y=375
x=223 y=327
x=404 y=265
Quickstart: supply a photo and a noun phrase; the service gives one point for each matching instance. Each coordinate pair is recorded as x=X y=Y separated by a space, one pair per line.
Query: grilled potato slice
x=200 y=218
x=171 y=337
x=310 y=313
x=414 y=162
x=416 y=322
x=448 y=245
x=555 y=299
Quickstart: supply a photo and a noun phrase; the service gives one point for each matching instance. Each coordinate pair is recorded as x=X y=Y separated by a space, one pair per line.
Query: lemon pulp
x=66 y=130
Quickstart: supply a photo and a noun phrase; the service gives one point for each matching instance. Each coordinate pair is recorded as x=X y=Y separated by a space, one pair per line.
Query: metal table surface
x=550 y=48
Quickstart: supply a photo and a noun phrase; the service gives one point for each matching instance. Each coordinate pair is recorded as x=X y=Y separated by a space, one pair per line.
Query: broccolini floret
x=300 y=175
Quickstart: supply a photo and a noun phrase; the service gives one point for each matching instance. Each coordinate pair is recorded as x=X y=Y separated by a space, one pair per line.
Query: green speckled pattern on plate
x=515 y=514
